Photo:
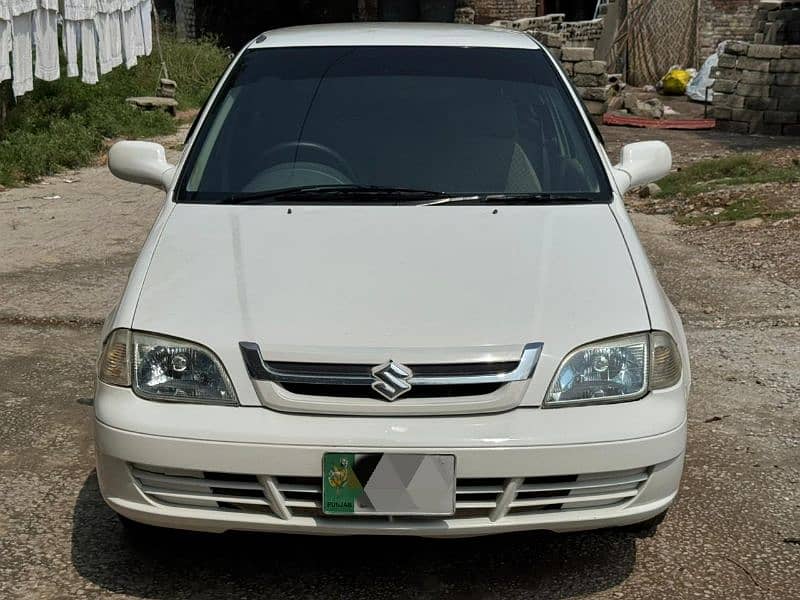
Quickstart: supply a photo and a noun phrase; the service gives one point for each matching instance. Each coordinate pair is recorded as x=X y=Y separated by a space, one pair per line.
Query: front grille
x=366 y=391
x=427 y=370
x=288 y=497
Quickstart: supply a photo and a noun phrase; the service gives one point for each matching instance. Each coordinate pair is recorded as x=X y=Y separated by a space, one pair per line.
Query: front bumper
x=174 y=480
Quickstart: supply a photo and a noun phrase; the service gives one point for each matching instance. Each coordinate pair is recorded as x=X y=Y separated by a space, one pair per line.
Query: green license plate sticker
x=388 y=484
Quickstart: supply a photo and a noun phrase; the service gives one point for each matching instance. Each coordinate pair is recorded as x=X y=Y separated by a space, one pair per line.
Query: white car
x=393 y=290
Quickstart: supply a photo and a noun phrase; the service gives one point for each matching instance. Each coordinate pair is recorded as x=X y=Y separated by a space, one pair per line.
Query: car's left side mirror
x=642 y=163
x=141 y=162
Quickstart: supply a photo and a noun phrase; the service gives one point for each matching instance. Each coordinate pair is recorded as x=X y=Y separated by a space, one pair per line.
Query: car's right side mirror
x=642 y=163
x=141 y=162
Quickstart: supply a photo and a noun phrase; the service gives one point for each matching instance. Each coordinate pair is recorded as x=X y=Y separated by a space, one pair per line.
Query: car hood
x=416 y=284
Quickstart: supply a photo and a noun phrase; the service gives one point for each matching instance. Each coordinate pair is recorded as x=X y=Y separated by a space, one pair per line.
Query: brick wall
x=721 y=20
x=487 y=11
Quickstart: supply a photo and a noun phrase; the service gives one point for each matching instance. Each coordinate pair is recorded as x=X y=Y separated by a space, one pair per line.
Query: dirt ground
x=66 y=246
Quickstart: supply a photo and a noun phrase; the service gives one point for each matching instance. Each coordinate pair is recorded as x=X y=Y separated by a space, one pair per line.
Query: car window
x=451 y=120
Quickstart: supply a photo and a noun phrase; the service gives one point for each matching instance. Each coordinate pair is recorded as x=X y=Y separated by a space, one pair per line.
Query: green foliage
x=707 y=175
x=63 y=124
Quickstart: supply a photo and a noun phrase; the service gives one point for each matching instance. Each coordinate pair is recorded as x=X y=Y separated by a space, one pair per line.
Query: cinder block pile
x=581 y=33
x=757 y=89
x=777 y=22
x=590 y=76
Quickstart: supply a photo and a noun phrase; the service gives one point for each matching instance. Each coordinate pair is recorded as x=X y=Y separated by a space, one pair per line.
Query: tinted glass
x=454 y=120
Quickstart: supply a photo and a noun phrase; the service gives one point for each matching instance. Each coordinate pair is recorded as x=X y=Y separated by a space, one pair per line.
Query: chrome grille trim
x=357 y=374
x=288 y=497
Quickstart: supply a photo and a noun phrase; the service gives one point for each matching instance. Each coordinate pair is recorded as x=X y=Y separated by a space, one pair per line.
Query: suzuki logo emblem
x=391 y=380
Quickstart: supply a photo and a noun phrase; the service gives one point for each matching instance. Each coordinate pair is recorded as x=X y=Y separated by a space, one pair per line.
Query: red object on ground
x=630 y=121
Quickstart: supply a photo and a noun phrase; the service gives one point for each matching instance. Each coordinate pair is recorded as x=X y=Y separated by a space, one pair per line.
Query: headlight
x=616 y=370
x=165 y=369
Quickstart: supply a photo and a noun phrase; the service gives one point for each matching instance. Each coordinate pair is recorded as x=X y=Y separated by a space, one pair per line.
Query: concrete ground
x=732 y=534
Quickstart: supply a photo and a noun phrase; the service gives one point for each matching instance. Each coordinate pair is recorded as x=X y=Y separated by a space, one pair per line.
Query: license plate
x=388 y=484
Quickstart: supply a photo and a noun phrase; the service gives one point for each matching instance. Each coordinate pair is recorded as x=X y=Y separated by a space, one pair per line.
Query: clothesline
x=96 y=36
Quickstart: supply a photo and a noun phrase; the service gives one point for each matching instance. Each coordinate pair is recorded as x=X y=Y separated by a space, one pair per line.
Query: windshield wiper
x=332 y=194
x=529 y=199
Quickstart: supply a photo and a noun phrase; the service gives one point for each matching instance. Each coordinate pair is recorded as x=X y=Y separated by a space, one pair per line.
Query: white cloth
x=71 y=41
x=146 y=14
x=79 y=10
x=109 y=40
x=20 y=7
x=5 y=49
x=45 y=28
x=130 y=18
x=88 y=52
x=22 y=53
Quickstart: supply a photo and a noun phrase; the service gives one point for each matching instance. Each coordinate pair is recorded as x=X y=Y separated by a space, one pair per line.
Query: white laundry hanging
x=22 y=53
x=5 y=41
x=96 y=36
x=45 y=36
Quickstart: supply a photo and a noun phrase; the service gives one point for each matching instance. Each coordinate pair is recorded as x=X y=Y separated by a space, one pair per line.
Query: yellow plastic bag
x=675 y=82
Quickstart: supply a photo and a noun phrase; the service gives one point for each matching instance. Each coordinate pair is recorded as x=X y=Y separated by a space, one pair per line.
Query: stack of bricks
x=757 y=89
x=590 y=76
x=582 y=33
x=548 y=23
x=777 y=22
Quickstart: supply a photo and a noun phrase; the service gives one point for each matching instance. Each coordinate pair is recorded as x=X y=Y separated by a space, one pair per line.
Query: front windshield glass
x=450 y=120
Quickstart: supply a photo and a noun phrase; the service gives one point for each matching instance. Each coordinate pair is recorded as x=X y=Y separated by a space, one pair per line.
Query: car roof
x=395 y=34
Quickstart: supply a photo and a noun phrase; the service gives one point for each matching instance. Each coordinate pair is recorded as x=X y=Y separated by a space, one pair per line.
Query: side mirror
x=141 y=162
x=642 y=163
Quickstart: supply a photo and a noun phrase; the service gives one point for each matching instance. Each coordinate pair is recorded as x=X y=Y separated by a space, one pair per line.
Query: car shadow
x=171 y=564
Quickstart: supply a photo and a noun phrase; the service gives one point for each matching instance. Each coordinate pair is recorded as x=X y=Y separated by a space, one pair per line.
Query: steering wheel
x=295 y=147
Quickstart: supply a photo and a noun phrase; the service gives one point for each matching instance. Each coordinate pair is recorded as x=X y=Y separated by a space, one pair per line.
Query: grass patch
x=707 y=175
x=63 y=124
x=741 y=210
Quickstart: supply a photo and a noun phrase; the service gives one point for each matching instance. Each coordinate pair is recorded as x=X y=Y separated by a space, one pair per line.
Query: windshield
x=413 y=120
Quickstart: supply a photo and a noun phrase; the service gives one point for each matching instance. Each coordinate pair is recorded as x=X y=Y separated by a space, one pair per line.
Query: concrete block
x=757 y=77
x=780 y=116
x=738 y=48
x=763 y=51
x=594 y=107
x=752 y=89
x=790 y=52
x=791 y=130
x=777 y=91
x=732 y=74
x=727 y=61
x=590 y=80
x=755 y=64
x=717 y=112
x=578 y=54
x=551 y=40
x=600 y=94
x=766 y=128
x=590 y=67
x=728 y=101
x=788 y=79
x=788 y=104
x=746 y=115
x=733 y=126
x=784 y=65
x=725 y=86
x=759 y=103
